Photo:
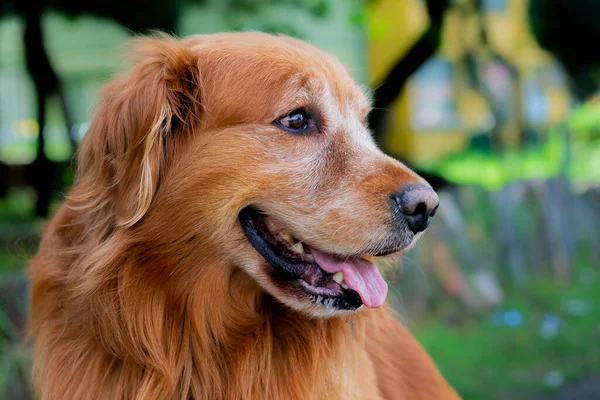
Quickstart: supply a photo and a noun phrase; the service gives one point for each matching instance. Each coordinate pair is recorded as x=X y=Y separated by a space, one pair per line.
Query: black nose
x=417 y=203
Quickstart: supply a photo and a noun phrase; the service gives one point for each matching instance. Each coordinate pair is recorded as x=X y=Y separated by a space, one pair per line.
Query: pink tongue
x=360 y=275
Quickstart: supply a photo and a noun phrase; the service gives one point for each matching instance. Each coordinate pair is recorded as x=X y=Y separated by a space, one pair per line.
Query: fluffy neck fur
x=148 y=324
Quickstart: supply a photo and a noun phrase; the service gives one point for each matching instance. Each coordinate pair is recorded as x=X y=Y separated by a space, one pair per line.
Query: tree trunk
x=393 y=83
x=42 y=171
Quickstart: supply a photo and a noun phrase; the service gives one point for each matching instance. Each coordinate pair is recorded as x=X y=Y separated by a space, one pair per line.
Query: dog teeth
x=299 y=248
x=287 y=237
x=310 y=257
x=339 y=277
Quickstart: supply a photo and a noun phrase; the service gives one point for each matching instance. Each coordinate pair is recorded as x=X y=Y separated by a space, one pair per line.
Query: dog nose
x=417 y=203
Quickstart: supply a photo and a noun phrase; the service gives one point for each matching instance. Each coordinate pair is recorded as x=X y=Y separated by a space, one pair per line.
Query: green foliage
x=488 y=359
x=146 y=15
x=16 y=207
x=18 y=234
x=257 y=14
x=15 y=360
x=580 y=153
x=318 y=8
x=584 y=122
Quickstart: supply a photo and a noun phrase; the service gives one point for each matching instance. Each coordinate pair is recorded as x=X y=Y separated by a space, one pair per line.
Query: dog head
x=254 y=149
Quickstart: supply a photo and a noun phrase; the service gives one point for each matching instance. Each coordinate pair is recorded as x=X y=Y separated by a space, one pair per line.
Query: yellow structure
x=439 y=111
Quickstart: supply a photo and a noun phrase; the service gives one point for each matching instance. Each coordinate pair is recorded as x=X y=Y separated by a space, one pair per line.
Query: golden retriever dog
x=219 y=239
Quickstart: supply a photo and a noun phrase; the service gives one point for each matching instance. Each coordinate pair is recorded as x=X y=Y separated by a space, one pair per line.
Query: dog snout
x=416 y=203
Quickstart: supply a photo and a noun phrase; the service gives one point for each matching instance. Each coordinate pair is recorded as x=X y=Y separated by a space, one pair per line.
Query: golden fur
x=144 y=286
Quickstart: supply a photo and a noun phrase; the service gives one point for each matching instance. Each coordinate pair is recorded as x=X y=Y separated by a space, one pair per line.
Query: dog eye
x=298 y=121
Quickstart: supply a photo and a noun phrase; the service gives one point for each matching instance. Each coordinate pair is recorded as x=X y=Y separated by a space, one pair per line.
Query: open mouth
x=344 y=283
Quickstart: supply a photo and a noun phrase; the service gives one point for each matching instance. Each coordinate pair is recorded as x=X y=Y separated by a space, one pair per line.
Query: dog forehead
x=280 y=60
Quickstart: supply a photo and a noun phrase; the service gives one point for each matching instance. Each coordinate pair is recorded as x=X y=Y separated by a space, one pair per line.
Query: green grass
x=485 y=359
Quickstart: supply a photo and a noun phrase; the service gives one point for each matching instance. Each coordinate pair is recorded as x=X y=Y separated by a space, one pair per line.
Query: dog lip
x=263 y=247
x=286 y=270
x=387 y=252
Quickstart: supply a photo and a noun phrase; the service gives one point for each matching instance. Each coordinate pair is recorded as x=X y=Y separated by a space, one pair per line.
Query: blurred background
x=495 y=102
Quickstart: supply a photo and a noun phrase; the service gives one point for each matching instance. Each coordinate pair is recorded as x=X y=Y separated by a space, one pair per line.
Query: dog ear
x=141 y=113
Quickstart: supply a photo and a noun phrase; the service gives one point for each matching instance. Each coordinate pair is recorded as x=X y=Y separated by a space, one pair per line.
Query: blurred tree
x=43 y=173
x=390 y=87
x=485 y=56
x=570 y=29
x=238 y=10
x=135 y=15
